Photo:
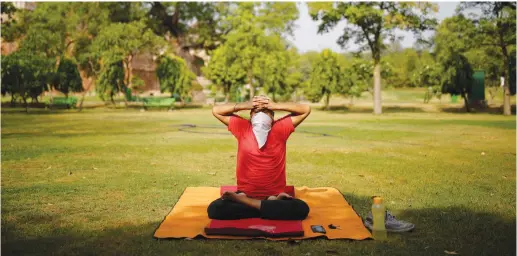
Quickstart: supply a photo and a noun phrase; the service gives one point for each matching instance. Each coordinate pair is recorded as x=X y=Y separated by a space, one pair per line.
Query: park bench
x=63 y=102
x=155 y=102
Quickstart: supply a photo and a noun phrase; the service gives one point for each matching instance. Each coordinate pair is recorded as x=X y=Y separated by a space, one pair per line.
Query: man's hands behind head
x=262 y=102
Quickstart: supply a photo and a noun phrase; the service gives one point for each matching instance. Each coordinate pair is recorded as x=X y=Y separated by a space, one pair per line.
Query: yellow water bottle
x=379 y=215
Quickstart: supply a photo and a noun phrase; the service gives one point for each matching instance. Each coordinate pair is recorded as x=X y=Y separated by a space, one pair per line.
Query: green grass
x=101 y=181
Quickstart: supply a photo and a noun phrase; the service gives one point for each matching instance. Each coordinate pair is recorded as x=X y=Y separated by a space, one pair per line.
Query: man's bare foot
x=242 y=198
x=284 y=196
x=281 y=196
x=229 y=195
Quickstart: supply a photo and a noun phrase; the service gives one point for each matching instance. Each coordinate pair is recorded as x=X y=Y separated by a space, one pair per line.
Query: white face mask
x=261 y=123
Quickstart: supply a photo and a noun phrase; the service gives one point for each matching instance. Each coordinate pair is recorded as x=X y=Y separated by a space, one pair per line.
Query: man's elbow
x=307 y=109
x=215 y=111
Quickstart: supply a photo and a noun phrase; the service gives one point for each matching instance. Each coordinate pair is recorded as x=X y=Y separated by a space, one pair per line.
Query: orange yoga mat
x=189 y=218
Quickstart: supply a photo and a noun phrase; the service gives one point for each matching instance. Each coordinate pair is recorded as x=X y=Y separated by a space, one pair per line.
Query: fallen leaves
x=451 y=252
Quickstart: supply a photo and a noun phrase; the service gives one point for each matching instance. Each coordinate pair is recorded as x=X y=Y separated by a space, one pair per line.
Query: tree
x=122 y=41
x=189 y=25
x=86 y=20
x=403 y=63
x=111 y=80
x=174 y=76
x=453 y=40
x=359 y=75
x=223 y=71
x=275 y=70
x=44 y=32
x=326 y=78
x=488 y=59
x=271 y=73
x=247 y=43
x=294 y=80
x=429 y=76
x=372 y=23
x=496 y=27
x=25 y=75
x=456 y=76
x=256 y=31
x=67 y=78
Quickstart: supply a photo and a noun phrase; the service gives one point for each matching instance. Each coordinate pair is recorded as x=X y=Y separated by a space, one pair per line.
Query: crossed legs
x=233 y=206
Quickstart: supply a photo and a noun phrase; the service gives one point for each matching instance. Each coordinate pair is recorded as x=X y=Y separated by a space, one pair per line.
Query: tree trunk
x=130 y=72
x=26 y=104
x=377 y=101
x=126 y=75
x=50 y=87
x=124 y=96
x=507 y=110
x=327 y=101
x=226 y=94
x=252 y=89
x=51 y=95
x=13 y=100
x=112 y=100
x=81 y=103
x=467 y=107
x=84 y=94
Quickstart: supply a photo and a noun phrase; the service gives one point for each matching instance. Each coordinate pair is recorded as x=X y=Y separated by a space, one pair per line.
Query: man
x=260 y=161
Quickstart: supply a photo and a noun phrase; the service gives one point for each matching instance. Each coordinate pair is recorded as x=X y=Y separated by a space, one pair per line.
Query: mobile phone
x=318 y=229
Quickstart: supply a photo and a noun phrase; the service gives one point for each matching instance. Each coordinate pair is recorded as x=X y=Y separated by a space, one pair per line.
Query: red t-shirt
x=261 y=172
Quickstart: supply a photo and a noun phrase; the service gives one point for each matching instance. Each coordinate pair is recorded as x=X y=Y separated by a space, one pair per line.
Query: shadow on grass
x=42 y=110
x=495 y=110
x=454 y=228
x=385 y=109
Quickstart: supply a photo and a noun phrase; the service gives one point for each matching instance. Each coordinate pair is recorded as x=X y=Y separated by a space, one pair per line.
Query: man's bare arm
x=223 y=112
x=298 y=111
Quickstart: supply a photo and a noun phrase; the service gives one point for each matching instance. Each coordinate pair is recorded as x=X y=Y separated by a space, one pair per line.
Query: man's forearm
x=294 y=108
x=230 y=108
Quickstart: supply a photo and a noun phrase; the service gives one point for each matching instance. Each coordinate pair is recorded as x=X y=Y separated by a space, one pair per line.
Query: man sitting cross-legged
x=260 y=162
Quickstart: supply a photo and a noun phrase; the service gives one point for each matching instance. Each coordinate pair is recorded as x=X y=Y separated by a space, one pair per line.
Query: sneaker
x=391 y=223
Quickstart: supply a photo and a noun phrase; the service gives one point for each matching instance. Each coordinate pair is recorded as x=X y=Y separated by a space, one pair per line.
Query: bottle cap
x=377 y=200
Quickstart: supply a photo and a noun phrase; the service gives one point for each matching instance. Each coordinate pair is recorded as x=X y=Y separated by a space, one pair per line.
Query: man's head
x=266 y=111
x=260 y=104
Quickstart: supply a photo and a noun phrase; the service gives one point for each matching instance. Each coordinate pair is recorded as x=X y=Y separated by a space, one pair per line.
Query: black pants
x=287 y=209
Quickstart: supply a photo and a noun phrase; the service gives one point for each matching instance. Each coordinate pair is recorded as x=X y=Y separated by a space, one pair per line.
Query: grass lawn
x=101 y=181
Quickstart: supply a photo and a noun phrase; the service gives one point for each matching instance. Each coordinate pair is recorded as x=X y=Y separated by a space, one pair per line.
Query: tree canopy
x=370 y=24
x=174 y=76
